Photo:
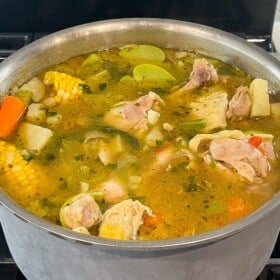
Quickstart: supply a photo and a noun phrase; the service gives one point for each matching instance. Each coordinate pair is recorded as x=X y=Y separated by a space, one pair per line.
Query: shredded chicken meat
x=131 y=116
x=231 y=149
x=240 y=104
x=123 y=220
x=248 y=161
x=212 y=109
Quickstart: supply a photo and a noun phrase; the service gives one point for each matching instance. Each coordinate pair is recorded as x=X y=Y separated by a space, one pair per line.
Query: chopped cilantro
x=85 y=88
x=62 y=185
x=102 y=86
x=50 y=157
x=45 y=202
x=79 y=157
x=191 y=185
x=112 y=166
x=51 y=113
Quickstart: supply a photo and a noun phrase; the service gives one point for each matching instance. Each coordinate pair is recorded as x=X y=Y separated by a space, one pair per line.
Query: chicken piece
x=131 y=116
x=202 y=73
x=107 y=149
x=113 y=191
x=200 y=142
x=163 y=157
x=247 y=160
x=82 y=230
x=267 y=149
x=240 y=104
x=244 y=169
x=212 y=109
x=264 y=189
x=80 y=211
x=234 y=149
x=168 y=157
x=123 y=220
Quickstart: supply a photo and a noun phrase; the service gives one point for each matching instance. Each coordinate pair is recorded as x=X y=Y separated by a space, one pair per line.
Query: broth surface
x=188 y=191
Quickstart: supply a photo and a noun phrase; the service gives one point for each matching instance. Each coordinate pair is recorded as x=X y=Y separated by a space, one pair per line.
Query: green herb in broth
x=145 y=133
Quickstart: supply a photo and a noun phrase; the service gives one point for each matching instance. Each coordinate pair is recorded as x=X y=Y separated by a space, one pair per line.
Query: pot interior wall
x=82 y=39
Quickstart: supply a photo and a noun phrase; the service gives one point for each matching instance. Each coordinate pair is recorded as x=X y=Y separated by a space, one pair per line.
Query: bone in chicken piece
x=199 y=143
x=131 y=116
x=80 y=211
x=240 y=104
x=267 y=150
x=248 y=161
x=202 y=73
x=123 y=220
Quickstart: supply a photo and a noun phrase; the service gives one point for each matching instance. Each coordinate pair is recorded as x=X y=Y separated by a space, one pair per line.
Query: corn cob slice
x=21 y=179
x=66 y=87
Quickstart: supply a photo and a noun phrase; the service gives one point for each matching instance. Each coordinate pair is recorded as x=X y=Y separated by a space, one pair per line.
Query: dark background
x=249 y=16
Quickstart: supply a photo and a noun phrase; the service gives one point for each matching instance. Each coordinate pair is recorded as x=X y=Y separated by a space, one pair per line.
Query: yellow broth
x=189 y=200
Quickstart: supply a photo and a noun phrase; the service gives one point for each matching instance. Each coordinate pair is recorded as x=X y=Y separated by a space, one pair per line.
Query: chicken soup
x=141 y=143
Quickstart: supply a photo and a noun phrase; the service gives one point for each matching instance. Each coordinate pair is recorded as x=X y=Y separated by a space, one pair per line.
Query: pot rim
x=139 y=245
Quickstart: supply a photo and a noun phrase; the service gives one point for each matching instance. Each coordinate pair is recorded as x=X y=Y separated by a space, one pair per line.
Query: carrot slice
x=237 y=207
x=255 y=141
x=153 y=220
x=11 y=111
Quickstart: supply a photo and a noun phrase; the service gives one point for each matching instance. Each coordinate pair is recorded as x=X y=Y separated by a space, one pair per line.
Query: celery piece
x=126 y=79
x=91 y=59
x=132 y=141
x=97 y=195
x=192 y=127
x=25 y=96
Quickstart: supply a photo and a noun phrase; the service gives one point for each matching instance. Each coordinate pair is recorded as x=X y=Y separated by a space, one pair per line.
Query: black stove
x=22 y=22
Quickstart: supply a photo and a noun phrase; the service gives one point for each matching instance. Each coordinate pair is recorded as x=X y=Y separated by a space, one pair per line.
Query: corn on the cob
x=66 y=86
x=20 y=178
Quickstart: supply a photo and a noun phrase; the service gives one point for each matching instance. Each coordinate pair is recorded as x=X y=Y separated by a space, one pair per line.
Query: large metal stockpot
x=45 y=251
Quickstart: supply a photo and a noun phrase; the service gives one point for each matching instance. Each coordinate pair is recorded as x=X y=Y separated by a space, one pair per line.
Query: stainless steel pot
x=45 y=251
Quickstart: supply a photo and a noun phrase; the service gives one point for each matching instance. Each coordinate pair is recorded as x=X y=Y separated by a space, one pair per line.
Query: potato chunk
x=34 y=137
x=258 y=91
